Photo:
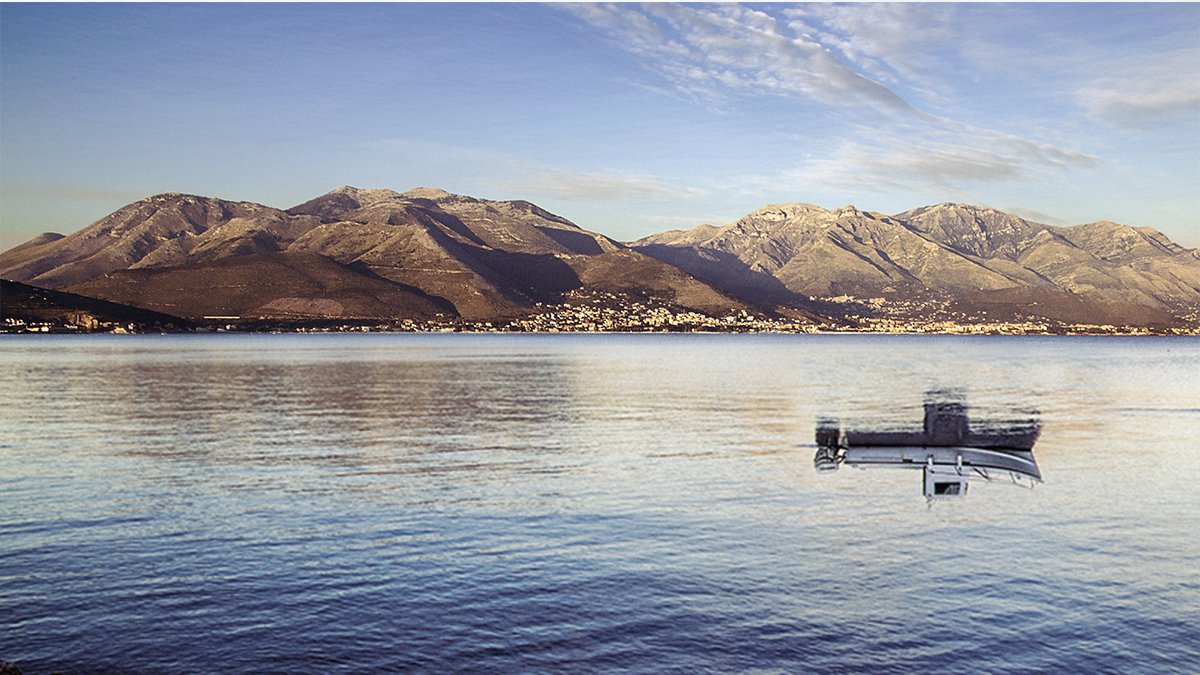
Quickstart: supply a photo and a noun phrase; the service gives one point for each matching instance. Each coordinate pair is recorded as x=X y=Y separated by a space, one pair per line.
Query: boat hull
x=918 y=457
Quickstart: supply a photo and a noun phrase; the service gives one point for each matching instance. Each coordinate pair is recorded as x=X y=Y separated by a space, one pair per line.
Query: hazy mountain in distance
x=351 y=252
x=789 y=252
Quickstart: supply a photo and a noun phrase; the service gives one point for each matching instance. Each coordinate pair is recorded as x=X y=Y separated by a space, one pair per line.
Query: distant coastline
x=428 y=260
x=30 y=310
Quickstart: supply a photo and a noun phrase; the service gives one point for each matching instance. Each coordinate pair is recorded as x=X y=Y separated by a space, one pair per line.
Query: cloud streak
x=587 y=186
x=713 y=53
x=728 y=47
x=1136 y=97
x=889 y=40
x=898 y=164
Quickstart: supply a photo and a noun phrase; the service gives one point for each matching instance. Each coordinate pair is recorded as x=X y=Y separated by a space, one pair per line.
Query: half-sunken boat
x=948 y=450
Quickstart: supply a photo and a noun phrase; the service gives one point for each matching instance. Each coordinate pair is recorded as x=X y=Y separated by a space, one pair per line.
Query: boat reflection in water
x=948 y=450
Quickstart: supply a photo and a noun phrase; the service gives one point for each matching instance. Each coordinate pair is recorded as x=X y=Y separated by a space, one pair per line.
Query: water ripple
x=547 y=504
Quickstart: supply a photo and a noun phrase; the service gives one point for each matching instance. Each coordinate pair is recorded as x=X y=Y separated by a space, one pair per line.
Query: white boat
x=947 y=450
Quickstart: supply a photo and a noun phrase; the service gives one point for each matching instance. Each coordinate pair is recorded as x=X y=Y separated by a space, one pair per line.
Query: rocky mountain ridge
x=783 y=253
x=351 y=252
x=367 y=253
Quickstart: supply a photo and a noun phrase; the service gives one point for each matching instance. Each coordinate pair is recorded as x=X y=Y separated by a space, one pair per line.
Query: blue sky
x=626 y=119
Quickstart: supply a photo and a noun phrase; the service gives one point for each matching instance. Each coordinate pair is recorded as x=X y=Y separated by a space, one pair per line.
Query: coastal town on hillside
x=598 y=312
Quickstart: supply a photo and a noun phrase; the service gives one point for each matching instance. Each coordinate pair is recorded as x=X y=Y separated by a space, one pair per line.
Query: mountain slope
x=810 y=251
x=437 y=253
x=282 y=285
x=159 y=231
x=786 y=253
x=30 y=304
x=1119 y=262
x=510 y=254
x=1021 y=304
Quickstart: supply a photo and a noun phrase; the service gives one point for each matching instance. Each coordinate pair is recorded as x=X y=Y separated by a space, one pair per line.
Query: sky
x=626 y=119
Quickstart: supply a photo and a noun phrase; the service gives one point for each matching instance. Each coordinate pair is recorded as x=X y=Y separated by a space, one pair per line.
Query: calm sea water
x=586 y=504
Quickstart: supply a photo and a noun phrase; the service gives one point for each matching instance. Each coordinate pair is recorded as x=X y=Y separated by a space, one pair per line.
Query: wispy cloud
x=889 y=41
x=1035 y=155
x=839 y=58
x=899 y=164
x=1147 y=93
x=708 y=51
x=585 y=186
x=1031 y=215
x=946 y=168
x=692 y=221
x=502 y=171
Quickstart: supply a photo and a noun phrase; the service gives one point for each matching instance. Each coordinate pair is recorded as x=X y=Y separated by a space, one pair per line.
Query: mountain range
x=782 y=252
x=356 y=253
x=350 y=253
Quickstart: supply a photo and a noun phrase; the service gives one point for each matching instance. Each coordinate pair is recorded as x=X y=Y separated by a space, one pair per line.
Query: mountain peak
x=366 y=196
x=946 y=207
x=167 y=198
x=785 y=211
x=333 y=205
x=427 y=193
